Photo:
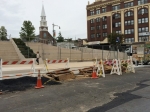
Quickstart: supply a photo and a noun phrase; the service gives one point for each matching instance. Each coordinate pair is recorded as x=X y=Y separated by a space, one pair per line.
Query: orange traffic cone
x=39 y=82
x=94 y=75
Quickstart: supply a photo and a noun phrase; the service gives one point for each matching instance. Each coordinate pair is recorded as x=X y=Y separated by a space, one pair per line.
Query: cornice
x=119 y=11
x=105 y=4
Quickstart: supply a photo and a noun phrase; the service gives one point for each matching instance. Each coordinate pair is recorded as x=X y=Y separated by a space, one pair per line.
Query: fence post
x=1 y=75
x=102 y=52
x=60 y=52
x=70 y=54
x=92 y=51
x=82 y=54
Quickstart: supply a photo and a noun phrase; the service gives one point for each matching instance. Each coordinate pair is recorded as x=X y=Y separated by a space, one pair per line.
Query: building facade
x=128 y=17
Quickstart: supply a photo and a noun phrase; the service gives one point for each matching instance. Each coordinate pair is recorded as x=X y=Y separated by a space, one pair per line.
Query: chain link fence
x=82 y=53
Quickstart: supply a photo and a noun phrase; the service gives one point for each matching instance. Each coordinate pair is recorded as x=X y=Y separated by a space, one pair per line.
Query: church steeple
x=43 y=22
x=43 y=11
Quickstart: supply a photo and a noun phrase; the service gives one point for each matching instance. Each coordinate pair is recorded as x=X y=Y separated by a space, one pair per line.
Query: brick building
x=129 y=17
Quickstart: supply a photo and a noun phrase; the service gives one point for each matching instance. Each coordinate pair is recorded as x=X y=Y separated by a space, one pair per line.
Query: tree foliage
x=69 y=40
x=3 y=33
x=27 y=31
x=114 y=37
x=60 y=38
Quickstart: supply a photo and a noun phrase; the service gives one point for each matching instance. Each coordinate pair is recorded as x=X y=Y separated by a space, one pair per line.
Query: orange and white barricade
x=55 y=61
x=22 y=62
x=116 y=69
x=130 y=67
x=100 y=70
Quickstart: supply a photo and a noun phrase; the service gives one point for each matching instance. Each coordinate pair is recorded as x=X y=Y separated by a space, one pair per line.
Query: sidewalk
x=9 y=69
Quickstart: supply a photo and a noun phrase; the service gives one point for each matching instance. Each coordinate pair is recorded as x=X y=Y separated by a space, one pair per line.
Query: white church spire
x=43 y=11
x=43 y=22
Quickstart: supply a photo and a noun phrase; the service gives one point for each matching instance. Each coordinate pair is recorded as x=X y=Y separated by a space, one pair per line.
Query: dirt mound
x=22 y=84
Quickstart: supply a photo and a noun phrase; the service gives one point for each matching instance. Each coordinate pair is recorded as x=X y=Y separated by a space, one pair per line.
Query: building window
x=98 y=11
x=104 y=18
x=105 y=26
x=143 y=20
x=129 y=13
x=104 y=34
x=116 y=7
x=129 y=4
x=92 y=35
x=143 y=39
x=140 y=2
x=143 y=29
x=118 y=24
x=129 y=22
x=92 y=20
x=92 y=28
x=103 y=10
x=98 y=27
x=129 y=40
x=116 y=16
x=98 y=35
x=119 y=32
x=92 y=13
x=143 y=11
x=97 y=19
x=129 y=31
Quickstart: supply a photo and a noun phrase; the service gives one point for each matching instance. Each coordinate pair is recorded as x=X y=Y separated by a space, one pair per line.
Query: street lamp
x=54 y=31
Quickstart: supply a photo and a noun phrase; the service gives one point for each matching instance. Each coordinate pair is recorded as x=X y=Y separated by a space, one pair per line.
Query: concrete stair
x=7 y=51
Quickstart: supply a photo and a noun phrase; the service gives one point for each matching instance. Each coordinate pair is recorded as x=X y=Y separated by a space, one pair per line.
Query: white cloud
x=69 y=14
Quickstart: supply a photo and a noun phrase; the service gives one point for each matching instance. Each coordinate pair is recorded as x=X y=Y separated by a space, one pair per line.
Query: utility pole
x=54 y=31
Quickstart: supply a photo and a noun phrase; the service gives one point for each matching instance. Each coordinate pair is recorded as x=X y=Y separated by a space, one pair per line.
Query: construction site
x=19 y=71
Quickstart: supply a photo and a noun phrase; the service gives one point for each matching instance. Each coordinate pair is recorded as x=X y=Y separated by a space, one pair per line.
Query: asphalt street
x=113 y=94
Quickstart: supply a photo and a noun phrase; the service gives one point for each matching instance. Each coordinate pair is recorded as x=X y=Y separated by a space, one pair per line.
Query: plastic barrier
x=46 y=69
x=130 y=67
x=100 y=70
x=116 y=69
x=22 y=62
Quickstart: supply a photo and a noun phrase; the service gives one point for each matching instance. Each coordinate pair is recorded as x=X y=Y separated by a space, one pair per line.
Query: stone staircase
x=7 y=51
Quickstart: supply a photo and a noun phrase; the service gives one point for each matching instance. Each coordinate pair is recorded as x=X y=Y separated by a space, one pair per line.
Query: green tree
x=3 y=33
x=27 y=31
x=60 y=38
x=69 y=40
x=116 y=38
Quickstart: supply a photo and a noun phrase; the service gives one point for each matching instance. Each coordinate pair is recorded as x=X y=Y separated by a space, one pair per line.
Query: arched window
x=143 y=11
x=129 y=13
x=116 y=16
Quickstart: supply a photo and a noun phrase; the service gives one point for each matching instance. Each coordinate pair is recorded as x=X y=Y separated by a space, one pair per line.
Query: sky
x=70 y=15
